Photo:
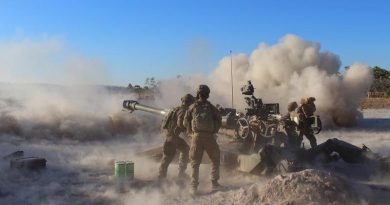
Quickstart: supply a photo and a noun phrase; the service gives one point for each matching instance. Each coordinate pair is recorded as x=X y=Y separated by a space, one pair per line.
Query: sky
x=131 y=40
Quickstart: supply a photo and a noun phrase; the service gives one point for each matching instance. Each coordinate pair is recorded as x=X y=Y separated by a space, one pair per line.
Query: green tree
x=147 y=82
x=152 y=82
x=380 y=73
x=381 y=80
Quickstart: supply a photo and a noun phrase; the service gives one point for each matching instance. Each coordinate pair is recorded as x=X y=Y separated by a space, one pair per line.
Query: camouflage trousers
x=172 y=144
x=199 y=144
x=293 y=139
x=309 y=135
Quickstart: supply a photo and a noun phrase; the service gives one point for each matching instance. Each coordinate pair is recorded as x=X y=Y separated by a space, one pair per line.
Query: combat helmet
x=311 y=99
x=203 y=90
x=306 y=100
x=292 y=106
x=187 y=99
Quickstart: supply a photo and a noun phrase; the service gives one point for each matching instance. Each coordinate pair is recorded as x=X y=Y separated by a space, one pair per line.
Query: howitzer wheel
x=243 y=129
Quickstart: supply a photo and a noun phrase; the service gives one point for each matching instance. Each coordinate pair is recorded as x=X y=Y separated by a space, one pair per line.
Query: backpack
x=202 y=118
x=169 y=122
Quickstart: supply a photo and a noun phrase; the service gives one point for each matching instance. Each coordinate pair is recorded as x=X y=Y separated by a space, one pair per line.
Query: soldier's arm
x=301 y=116
x=305 y=110
x=217 y=119
x=187 y=119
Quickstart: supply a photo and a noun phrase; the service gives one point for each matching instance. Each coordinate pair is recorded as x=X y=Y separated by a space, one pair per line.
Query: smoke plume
x=79 y=113
x=285 y=72
x=69 y=105
x=81 y=130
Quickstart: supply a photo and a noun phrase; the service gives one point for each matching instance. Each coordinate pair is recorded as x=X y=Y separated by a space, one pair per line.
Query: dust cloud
x=82 y=113
x=49 y=91
x=81 y=130
x=287 y=71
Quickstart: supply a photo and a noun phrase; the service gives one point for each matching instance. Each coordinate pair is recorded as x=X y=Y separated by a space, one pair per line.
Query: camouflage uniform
x=203 y=139
x=294 y=140
x=173 y=142
x=305 y=111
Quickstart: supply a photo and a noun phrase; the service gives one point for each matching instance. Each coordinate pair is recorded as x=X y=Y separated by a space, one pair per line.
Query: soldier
x=203 y=121
x=173 y=123
x=291 y=121
x=306 y=111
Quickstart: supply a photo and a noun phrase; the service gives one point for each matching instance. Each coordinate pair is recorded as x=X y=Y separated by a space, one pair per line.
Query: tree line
x=148 y=90
x=381 y=80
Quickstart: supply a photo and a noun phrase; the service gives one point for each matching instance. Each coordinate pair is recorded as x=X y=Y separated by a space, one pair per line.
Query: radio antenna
x=231 y=75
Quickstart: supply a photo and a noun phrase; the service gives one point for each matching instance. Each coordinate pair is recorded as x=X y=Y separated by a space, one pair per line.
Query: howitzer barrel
x=134 y=105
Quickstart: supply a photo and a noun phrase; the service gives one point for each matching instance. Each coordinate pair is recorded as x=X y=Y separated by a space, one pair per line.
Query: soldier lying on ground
x=281 y=159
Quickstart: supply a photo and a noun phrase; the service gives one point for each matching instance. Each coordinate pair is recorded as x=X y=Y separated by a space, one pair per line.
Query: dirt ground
x=82 y=173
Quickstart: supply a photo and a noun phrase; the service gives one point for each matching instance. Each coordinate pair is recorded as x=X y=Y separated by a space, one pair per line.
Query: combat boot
x=183 y=176
x=162 y=177
x=194 y=190
x=162 y=173
x=215 y=186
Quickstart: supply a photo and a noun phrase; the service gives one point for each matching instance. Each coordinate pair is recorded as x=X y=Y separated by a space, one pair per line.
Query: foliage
x=380 y=73
x=150 y=83
x=381 y=80
x=148 y=91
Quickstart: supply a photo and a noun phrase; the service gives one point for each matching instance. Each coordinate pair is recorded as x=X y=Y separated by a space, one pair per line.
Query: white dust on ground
x=306 y=187
x=82 y=172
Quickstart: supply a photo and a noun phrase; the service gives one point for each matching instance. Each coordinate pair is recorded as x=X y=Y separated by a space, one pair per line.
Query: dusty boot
x=215 y=186
x=183 y=175
x=162 y=175
x=194 y=190
x=162 y=172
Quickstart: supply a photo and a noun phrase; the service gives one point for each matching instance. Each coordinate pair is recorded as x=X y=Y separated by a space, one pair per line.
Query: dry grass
x=375 y=103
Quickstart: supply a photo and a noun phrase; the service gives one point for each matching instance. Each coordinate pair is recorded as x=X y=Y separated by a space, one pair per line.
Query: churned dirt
x=82 y=171
x=305 y=187
x=308 y=187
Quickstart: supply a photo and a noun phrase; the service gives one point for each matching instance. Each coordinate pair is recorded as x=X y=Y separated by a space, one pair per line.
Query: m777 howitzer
x=265 y=129
x=242 y=136
x=259 y=125
x=228 y=120
x=256 y=141
x=133 y=105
